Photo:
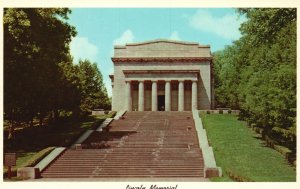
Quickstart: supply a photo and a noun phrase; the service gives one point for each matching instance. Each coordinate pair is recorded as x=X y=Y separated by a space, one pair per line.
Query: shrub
x=283 y=150
x=291 y=157
x=106 y=112
x=253 y=125
x=113 y=114
x=220 y=111
x=208 y=112
x=229 y=111
x=269 y=142
x=237 y=178
x=258 y=130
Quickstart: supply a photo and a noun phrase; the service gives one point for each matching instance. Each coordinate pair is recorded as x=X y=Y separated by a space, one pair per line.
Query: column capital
x=181 y=80
x=154 y=81
x=167 y=80
x=194 y=81
x=141 y=81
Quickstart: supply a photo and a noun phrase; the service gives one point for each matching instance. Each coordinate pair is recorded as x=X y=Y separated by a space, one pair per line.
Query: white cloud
x=126 y=37
x=175 y=36
x=81 y=48
x=226 y=26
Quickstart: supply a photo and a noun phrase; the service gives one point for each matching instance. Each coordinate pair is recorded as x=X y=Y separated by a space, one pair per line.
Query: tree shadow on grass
x=34 y=139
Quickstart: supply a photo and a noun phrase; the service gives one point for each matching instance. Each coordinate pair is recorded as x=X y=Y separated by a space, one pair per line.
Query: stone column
x=194 y=95
x=168 y=96
x=154 y=96
x=181 y=96
x=141 y=95
x=128 y=96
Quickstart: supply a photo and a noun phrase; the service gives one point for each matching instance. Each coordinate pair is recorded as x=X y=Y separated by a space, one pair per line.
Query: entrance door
x=161 y=102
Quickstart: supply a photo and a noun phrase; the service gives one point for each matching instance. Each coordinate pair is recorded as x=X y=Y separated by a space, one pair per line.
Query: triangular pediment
x=165 y=42
x=162 y=48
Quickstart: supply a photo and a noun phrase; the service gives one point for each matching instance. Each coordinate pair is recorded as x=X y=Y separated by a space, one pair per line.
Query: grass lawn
x=29 y=141
x=23 y=158
x=242 y=154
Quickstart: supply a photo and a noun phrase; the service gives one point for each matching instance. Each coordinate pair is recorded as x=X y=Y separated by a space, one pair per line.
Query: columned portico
x=168 y=96
x=141 y=95
x=163 y=95
x=162 y=90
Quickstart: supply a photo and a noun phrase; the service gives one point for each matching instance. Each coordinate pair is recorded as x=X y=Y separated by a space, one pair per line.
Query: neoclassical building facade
x=162 y=75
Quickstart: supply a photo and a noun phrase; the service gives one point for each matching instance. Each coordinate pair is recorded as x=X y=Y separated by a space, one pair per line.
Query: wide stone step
x=108 y=172
x=129 y=170
x=143 y=145
x=127 y=163
x=128 y=175
x=168 y=161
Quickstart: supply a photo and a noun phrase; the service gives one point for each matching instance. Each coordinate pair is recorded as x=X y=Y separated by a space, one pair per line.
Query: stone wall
x=167 y=49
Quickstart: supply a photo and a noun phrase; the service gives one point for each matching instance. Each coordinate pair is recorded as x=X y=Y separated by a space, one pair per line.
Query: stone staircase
x=139 y=145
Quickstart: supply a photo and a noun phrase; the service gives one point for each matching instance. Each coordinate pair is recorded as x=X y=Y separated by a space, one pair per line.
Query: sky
x=99 y=29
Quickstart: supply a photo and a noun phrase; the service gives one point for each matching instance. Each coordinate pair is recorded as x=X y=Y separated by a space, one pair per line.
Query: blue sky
x=99 y=29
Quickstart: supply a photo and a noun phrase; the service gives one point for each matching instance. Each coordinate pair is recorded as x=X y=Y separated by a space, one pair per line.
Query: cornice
x=160 y=59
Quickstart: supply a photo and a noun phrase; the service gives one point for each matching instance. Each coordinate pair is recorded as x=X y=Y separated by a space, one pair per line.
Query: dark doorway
x=161 y=102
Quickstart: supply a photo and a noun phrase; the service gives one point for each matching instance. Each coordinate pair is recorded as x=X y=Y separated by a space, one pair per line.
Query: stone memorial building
x=162 y=75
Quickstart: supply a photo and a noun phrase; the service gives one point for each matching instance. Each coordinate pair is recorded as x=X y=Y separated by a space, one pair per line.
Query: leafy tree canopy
x=257 y=74
x=40 y=78
x=93 y=91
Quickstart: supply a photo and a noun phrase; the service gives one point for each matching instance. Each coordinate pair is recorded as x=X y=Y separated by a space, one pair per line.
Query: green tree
x=93 y=91
x=226 y=78
x=264 y=24
x=258 y=72
x=67 y=94
x=36 y=41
